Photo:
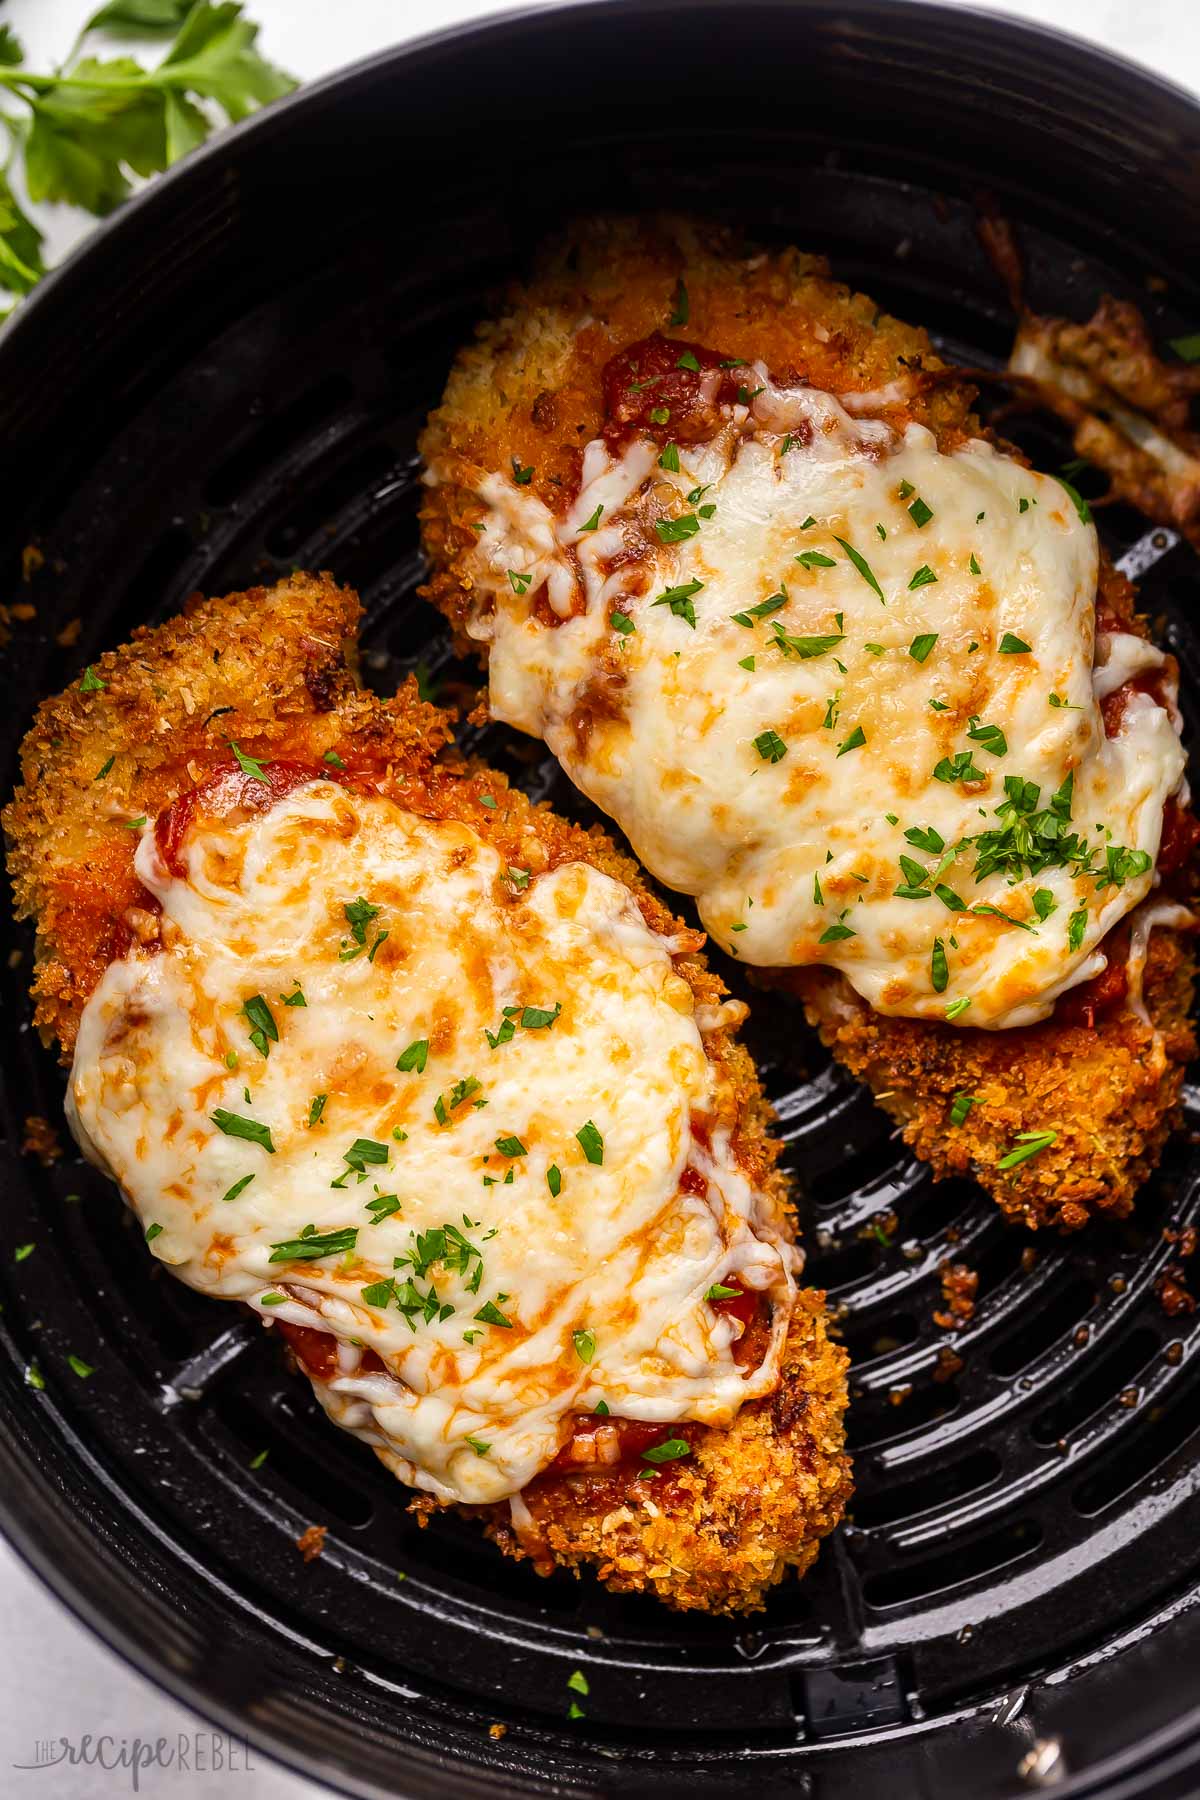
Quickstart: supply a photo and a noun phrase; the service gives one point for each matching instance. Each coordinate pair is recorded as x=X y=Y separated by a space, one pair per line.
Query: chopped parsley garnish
x=669 y=459
x=585 y=1345
x=939 y=968
x=921 y=645
x=621 y=622
x=554 y=1180
x=134 y=824
x=79 y=1367
x=906 y=488
x=660 y=415
x=249 y=765
x=919 y=513
x=960 y=1106
x=272 y=1299
x=91 y=683
x=675 y=531
x=490 y=1314
x=921 y=578
x=478 y=1445
x=539 y=1018
x=1028 y=1143
x=671 y=1451
x=511 y=1146
x=358 y=914
x=1188 y=348
x=504 y=1035
x=762 y=611
x=153 y=1231
x=957 y=1008
x=1012 y=646
x=833 y=934
x=256 y=1462
x=312 y=1244
x=234 y=1125
x=578 y=1683
x=102 y=772
x=522 y=476
x=990 y=737
x=239 y=1187
x=718 y=1292
x=382 y=1207
x=23 y=1251
x=679 y=305
x=862 y=565
x=518 y=877
x=413 y=1060
x=804 y=647
x=263 y=1030
x=994 y=912
x=1023 y=505
x=958 y=768
x=949 y=898
x=333 y=759
x=591 y=1143
x=746 y=662
x=1044 y=903
x=679 y=599
x=813 y=559
x=770 y=746
x=688 y=361
x=518 y=581
x=462 y=1090
x=974 y=565
x=855 y=741
x=818 y=896
x=1076 y=926
x=317 y=1108
x=593 y=524
x=295 y=998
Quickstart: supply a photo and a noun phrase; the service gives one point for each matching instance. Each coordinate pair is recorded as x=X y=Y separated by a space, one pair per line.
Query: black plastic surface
x=228 y=383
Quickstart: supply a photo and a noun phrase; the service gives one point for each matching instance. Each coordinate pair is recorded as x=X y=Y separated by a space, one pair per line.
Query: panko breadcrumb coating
x=1100 y=1082
x=270 y=671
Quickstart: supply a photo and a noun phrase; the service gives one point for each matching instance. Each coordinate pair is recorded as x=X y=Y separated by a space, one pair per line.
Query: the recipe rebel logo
x=186 y=1753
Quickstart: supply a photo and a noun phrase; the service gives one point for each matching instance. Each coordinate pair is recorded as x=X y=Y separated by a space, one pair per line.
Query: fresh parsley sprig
x=89 y=127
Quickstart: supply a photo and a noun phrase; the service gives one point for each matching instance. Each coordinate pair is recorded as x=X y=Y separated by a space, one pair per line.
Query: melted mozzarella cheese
x=774 y=775
x=615 y=1248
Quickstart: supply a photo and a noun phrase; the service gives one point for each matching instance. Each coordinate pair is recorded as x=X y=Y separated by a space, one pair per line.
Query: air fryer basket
x=228 y=383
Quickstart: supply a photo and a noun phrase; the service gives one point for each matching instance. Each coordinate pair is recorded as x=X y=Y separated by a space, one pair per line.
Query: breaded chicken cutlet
x=734 y=544
x=428 y=1078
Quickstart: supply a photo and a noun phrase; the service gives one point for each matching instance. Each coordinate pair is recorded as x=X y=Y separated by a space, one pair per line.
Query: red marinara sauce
x=686 y=381
x=231 y=790
x=317 y=1351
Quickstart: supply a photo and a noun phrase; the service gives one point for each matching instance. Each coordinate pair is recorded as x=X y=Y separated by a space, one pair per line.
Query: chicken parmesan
x=427 y=1079
x=844 y=669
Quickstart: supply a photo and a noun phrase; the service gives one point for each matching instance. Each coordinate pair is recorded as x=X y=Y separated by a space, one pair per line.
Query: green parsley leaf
x=358 y=914
x=585 y=1345
x=813 y=559
x=747 y=662
x=1023 y=505
x=478 y=1446
x=258 y=1461
x=622 y=623
x=101 y=773
x=679 y=599
x=312 y=1244
x=234 y=1125
x=333 y=759
x=660 y=415
x=833 y=934
x=554 y=1180
x=79 y=1367
x=669 y=459
x=671 y=1451
x=1187 y=347
x=770 y=746
x=316 y=1108
x=939 y=967
x=804 y=647
x=990 y=737
x=578 y=1682
x=675 y=531
x=818 y=896
x=382 y=1206
x=511 y=1146
x=490 y=1314
x=518 y=581
x=593 y=524
x=919 y=513
x=264 y=1032
x=974 y=565
x=1012 y=646
x=238 y=1187
x=575 y=1711
x=539 y=1018
x=1077 y=501
x=921 y=646
x=957 y=1008
x=591 y=1143
x=23 y=1251
x=522 y=475
x=921 y=578
x=718 y=1292
x=34 y=1377
x=1044 y=903
x=153 y=1231
x=249 y=765
x=1028 y=1143
x=960 y=1106
x=906 y=488
x=958 y=768
x=1076 y=926
x=679 y=305
x=862 y=565
x=518 y=877
x=296 y=998
x=855 y=741
x=688 y=361
x=91 y=683
x=413 y=1060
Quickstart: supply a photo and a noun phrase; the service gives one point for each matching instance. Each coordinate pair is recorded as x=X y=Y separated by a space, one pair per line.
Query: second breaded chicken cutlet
x=733 y=542
x=429 y=1079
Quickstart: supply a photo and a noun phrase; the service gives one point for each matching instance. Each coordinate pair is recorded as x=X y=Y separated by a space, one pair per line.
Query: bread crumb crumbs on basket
x=311 y=1542
x=41 y=1140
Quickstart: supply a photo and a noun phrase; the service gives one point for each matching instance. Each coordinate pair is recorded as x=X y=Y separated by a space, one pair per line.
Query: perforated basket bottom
x=1020 y=1513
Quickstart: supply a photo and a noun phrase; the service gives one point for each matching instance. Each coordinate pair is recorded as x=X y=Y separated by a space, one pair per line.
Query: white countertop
x=61 y=1681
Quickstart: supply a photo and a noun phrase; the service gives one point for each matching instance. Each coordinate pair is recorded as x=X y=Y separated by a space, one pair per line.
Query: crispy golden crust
x=280 y=661
x=530 y=388
x=754 y=1501
x=1109 y=1093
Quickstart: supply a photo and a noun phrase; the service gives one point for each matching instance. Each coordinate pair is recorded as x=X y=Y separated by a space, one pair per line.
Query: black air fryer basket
x=228 y=383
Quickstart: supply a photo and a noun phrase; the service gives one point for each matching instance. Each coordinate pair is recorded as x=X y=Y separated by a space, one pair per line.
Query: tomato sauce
x=656 y=376
x=230 y=792
x=317 y=1351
